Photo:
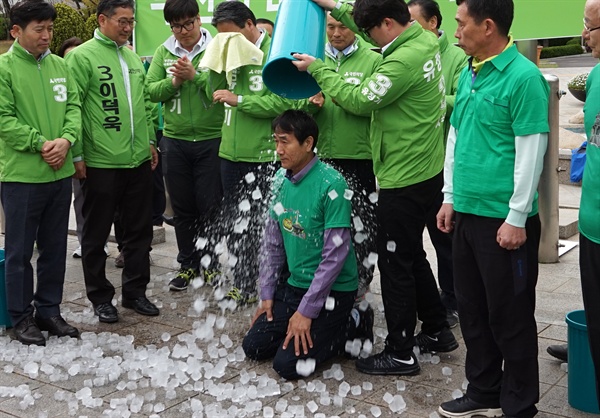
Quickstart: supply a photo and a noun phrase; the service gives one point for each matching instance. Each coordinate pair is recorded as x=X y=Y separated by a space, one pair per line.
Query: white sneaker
x=77 y=252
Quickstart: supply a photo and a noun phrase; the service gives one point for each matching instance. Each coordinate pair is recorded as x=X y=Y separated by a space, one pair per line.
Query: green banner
x=534 y=19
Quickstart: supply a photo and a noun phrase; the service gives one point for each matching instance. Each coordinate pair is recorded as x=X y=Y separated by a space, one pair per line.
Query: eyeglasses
x=585 y=27
x=367 y=31
x=188 y=26
x=123 y=23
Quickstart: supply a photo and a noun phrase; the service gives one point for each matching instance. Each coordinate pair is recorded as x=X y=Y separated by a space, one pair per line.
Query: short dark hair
x=298 y=122
x=25 y=12
x=233 y=11
x=370 y=13
x=429 y=9
x=180 y=9
x=109 y=7
x=69 y=43
x=500 y=11
x=264 y=21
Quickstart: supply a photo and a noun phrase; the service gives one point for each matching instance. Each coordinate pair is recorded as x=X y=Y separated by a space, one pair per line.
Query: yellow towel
x=228 y=51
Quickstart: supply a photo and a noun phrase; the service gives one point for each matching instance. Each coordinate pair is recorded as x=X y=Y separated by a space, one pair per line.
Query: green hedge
x=559 y=51
x=68 y=23
x=574 y=41
x=4 y=29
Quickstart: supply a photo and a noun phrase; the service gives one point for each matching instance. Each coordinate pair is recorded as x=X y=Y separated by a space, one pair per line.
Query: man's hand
x=80 y=170
x=54 y=152
x=511 y=237
x=326 y=4
x=302 y=61
x=154 y=161
x=265 y=306
x=225 y=96
x=299 y=330
x=445 y=218
x=184 y=69
x=318 y=99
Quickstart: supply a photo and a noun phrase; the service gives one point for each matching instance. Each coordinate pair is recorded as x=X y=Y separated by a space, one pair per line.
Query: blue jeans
x=35 y=212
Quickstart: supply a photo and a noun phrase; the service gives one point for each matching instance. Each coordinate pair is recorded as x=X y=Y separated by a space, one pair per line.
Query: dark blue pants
x=589 y=263
x=193 y=175
x=495 y=290
x=40 y=213
x=407 y=282
x=329 y=331
x=130 y=191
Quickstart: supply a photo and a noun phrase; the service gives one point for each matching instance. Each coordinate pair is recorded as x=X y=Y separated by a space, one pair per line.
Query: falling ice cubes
x=358 y=224
x=333 y=195
x=329 y=303
x=457 y=393
x=257 y=194
x=205 y=261
x=374 y=197
x=244 y=205
x=372 y=259
x=348 y=194
x=391 y=246
x=337 y=240
x=201 y=243
x=305 y=367
x=278 y=208
x=250 y=177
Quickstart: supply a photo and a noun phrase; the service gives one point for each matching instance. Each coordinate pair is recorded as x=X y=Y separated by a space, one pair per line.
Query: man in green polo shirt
x=405 y=95
x=494 y=158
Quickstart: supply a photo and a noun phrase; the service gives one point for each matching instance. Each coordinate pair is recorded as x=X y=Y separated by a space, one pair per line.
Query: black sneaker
x=440 y=342
x=466 y=407
x=388 y=363
x=183 y=279
x=240 y=297
x=452 y=317
x=212 y=277
x=364 y=331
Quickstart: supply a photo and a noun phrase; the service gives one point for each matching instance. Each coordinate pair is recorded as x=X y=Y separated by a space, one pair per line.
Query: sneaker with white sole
x=183 y=279
x=77 y=252
x=439 y=342
x=465 y=407
x=389 y=363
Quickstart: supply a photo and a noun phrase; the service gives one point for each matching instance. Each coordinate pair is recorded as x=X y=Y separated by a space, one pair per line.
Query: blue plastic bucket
x=299 y=27
x=582 y=379
x=4 y=317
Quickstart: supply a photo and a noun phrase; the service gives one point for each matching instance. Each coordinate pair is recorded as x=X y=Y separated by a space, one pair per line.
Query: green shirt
x=189 y=113
x=38 y=103
x=116 y=109
x=304 y=210
x=405 y=94
x=589 y=209
x=508 y=98
x=343 y=134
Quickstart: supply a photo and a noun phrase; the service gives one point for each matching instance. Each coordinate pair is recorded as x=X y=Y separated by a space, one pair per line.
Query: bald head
x=591 y=31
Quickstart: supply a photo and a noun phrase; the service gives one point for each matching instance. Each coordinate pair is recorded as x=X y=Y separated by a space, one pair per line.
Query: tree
x=68 y=23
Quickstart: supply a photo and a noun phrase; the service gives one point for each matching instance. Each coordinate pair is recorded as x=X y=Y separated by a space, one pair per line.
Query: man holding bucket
x=41 y=120
x=406 y=97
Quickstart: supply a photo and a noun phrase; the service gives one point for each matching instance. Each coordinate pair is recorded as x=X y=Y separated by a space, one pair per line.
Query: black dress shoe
x=141 y=305
x=560 y=351
x=56 y=325
x=106 y=312
x=28 y=332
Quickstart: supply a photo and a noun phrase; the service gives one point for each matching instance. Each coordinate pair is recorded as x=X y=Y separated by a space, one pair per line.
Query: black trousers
x=105 y=190
x=407 y=283
x=589 y=264
x=244 y=242
x=159 y=199
x=329 y=331
x=361 y=180
x=495 y=290
x=442 y=242
x=193 y=176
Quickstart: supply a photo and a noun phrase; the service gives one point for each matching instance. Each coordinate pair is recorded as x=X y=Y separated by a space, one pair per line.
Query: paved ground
x=187 y=362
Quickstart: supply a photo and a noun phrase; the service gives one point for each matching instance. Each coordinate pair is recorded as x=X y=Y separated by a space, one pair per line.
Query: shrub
x=68 y=23
x=575 y=41
x=559 y=51
x=4 y=29
x=90 y=25
x=578 y=82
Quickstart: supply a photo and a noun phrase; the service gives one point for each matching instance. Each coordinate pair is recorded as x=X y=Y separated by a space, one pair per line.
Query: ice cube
x=391 y=246
x=457 y=393
x=344 y=389
x=201 y=243
x=356 y=390
x=373 y=258
x=205 y=261
x=329 y=303
x=244 y=205
x=358 y=224
x=348 y=194
x=250 y=177
x=388 y=397
x=367 y=386
x=241 y=225
x=401 y=385
x=564 y=367
x=435 y=359
x=465 y=384
x=256 y=194
x=359 y=237
x=374 y=197
x=305 y=367
x=375 y=411
x=278 y=208
x=312 y=406
x=397 y=403
x=268 y=412
x=165 y=336
x=333 y=195
x=446 y=371
x=337 y=240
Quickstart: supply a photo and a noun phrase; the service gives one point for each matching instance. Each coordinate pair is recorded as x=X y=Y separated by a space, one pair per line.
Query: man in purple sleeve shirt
x=307 y=319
